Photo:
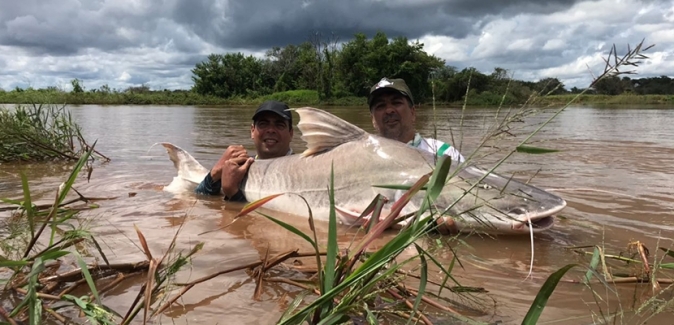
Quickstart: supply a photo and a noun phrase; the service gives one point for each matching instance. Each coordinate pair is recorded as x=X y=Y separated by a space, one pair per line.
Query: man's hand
x=234 y=151
x=232 y=174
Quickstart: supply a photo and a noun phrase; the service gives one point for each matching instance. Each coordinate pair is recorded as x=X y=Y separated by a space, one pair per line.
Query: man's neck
x=409 y=137
x=415 y=141
x=290 y=152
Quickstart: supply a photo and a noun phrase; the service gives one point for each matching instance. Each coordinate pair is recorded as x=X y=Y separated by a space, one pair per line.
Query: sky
x=124 y=43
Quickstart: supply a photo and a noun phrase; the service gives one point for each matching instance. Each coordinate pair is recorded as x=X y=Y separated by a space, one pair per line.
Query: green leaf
x=398 y=187
x=423 y=280
x=4 y=262
x=439 y=177
x=28 y=204
x=289 y=228
x=544 y=293
x=73 y=175
x=593 y=265
x=10 y=201
x=669 y=266
x=534 y=150
x=294 y=304
x=371 y=318
x=52 y=255
x=87 y=276
x=329 y=279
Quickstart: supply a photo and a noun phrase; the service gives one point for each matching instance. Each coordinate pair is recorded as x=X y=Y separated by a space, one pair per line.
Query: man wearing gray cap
x=271 y=131
x=393 y=116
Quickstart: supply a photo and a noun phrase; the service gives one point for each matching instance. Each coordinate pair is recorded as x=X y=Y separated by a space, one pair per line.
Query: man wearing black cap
x=271 y=131
x=394 y=114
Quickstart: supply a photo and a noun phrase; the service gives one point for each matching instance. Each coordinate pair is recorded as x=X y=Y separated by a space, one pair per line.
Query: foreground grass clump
x=38 y=245
x=40 y=132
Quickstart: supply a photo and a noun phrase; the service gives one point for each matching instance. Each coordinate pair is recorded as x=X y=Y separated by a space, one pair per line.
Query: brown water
x=614 y=169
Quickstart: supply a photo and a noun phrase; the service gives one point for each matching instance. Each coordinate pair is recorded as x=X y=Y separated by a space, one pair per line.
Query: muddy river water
x=615 y=168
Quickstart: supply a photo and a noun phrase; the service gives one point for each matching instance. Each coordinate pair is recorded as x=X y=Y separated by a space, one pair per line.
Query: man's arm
x=208 y=186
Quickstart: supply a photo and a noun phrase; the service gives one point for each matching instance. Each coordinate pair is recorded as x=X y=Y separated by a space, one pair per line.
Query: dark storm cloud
x=68 y=26
x=128 y=42
x=65 y=27
x=260 y=24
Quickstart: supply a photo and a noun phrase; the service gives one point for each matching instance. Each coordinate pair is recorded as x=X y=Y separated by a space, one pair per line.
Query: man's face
x=393 y=116
x=271 y=134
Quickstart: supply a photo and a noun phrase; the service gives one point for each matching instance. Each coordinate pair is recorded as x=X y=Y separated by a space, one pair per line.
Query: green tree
x=231 y=74
x=77 y=86
x=363 y=62
x=609 y=86
x=549 y=86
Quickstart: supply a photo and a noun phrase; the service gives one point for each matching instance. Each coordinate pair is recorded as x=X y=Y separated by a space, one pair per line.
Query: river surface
x=614 y=168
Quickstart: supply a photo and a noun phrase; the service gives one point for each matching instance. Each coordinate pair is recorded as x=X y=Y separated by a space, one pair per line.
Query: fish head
x=494 y=204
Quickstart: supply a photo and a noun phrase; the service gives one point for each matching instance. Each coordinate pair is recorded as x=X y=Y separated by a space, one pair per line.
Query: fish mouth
x=539 y=224
x=538 y=221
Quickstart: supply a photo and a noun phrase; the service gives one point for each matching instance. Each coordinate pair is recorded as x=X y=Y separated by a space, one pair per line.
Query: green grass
x=623 y=99
x=40 y=132
x=38 y=242
x=301 y=97
x=292 y=97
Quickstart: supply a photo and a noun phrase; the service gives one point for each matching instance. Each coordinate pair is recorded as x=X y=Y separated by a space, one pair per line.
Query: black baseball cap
x=398 y=85
x=277 y=107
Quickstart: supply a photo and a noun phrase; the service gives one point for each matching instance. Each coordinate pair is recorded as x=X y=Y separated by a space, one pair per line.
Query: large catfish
x=497 y=205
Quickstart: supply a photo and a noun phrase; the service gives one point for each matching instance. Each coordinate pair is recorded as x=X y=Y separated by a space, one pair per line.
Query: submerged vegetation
x=357 y=284
x=323 y=71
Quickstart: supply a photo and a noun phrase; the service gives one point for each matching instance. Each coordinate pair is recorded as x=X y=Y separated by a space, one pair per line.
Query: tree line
x=320 y=64
x=323 y=70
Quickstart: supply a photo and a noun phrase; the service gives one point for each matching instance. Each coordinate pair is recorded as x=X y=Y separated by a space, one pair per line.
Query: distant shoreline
x=295 y=98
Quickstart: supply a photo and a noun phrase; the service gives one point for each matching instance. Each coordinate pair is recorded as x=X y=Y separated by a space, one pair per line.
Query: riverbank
x=295 y=98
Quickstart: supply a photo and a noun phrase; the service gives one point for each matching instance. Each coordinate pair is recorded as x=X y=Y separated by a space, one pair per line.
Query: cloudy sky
x=125 y=43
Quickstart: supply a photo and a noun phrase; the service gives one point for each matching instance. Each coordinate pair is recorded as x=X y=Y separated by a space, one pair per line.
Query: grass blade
x=593 y=265
x=541 y=300
x=143 y=243
x=289 y=228
x=422 y=283
x=397 y=187
x=87 y=276
x=439 y=177
x=28 y=204
x=534 y=150
x=252 y=206
x=329 y=270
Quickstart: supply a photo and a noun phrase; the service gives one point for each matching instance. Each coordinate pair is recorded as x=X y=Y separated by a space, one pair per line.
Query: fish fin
x=188 y=168
x=323 y=131
x=348 y=217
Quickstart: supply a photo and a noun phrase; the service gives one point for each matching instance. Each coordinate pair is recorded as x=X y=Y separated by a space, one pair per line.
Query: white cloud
x=130 y=42
x=554 y=44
